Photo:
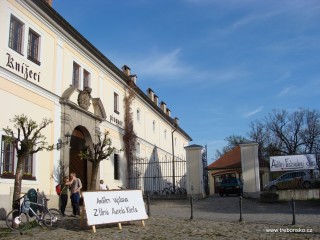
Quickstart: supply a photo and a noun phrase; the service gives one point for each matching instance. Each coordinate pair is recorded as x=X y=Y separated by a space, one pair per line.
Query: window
x=16 y=34
x=154 y=126
x=7 y=157
x=86 y=79
x=33 y=46
x=138 y=114
x=116 y=166
x=165 y=134
x=116 y=103
x=76 y=75
x=138 y=149
x=28 y=165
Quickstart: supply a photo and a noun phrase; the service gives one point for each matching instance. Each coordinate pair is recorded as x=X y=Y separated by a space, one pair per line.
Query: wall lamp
x=61 y=144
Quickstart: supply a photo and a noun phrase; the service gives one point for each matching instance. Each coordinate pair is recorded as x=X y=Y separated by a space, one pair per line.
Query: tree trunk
x=94 y=174
x=18 y=182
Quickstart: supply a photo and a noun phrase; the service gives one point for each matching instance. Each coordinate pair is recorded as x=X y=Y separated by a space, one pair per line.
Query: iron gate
x=155 y=177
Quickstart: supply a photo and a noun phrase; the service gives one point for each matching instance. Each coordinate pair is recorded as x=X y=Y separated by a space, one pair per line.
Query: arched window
x=138 y=114
x=154 y=125
x=165 y=134
x=138 y=149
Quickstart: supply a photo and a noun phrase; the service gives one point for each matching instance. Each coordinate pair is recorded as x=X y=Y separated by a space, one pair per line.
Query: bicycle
x=178 y=190
x=18 y=219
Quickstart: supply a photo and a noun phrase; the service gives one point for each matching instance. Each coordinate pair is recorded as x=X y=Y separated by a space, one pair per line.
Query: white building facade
x=48 y=69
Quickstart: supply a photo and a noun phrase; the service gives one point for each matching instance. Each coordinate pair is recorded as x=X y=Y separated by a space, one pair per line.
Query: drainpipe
x=173 y=165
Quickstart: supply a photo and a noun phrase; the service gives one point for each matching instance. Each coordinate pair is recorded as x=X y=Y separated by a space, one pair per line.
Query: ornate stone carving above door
x=84 y=98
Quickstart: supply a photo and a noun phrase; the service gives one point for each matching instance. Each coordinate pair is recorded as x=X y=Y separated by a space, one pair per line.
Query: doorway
x=76 y=164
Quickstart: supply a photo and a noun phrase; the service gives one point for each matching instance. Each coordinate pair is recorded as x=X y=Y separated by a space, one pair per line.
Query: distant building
x=230 y=165
x=48 y=69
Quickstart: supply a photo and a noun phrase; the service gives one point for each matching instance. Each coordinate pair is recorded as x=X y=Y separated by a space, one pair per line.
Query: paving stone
x=214 y=218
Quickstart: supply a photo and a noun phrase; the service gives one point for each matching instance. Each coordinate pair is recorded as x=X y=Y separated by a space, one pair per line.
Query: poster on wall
x=293 y=162
x=114 y=206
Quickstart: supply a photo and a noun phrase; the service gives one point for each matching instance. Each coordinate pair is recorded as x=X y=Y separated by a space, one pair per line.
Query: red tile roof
x=231 y=159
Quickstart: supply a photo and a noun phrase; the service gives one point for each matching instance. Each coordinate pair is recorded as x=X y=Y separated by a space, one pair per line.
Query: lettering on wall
x=115 y=120
x=22 y=69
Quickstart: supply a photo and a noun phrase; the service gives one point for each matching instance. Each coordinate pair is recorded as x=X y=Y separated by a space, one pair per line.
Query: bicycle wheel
x=166 y=191
x=17 y=221
x=52 y=218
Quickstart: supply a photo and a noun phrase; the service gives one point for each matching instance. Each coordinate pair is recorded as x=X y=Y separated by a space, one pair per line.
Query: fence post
x=240 y=205
x=148 y=204
x=293 y=212
x=191 y=203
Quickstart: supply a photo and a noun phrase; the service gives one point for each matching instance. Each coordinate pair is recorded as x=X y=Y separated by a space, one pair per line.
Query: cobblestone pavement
x=213 y=218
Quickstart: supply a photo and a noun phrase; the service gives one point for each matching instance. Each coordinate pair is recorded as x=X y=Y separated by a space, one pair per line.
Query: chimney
x=168 y=112
x=156 y=100
x=163 y=107
x=49 y=2
x=176 y=120
x=134 y=78
x=150 y=94
x=126 y=70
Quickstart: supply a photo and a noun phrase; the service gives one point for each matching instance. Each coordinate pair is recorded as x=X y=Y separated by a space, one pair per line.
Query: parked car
x=230 y=186
x=289 y=180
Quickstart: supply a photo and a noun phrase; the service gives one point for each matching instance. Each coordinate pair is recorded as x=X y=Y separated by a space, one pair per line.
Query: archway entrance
x=79 y=166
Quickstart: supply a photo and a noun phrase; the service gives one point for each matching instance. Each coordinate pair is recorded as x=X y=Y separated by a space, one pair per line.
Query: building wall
x=45 y=92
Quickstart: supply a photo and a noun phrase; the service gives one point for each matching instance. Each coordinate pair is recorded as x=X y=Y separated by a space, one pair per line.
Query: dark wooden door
x=78 y=165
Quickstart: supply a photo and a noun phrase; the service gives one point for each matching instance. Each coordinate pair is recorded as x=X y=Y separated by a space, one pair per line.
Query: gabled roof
x=231 y=159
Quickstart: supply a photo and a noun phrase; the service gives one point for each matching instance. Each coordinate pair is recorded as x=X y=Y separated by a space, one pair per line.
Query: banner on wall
x=293 y=162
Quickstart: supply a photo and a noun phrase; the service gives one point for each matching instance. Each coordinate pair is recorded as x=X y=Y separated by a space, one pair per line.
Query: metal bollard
x=148 y=204
x=191 y=203
x=293 y=212
x=240 y=205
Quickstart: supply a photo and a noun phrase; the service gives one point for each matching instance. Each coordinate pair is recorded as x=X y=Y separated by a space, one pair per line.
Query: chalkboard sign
x=114 y=206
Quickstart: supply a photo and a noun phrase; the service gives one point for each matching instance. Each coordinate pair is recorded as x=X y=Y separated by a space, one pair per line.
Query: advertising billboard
x=293 y=162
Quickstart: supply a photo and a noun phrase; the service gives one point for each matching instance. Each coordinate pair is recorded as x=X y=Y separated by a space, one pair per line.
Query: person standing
x=102 y=186
x=75 y=187
x=64 y=195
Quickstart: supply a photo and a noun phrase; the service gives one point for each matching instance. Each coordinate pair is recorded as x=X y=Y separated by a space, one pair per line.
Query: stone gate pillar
x=195 y=171
x=250 y=170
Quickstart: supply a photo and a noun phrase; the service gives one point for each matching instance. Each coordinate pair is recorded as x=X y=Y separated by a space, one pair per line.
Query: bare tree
x=27 y=139
x=96 y=153
x=282 y=133
x=60 y=171
x=232 y=142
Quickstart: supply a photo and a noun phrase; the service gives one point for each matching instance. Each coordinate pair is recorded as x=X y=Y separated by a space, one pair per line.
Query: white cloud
x=168 y=68
x=253 y=112
x=161 y=64
x=284 y=91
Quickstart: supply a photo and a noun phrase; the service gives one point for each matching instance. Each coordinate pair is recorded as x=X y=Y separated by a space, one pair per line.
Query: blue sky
x=218 y=65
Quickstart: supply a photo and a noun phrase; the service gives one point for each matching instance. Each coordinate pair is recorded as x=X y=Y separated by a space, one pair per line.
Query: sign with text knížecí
x=114 y=206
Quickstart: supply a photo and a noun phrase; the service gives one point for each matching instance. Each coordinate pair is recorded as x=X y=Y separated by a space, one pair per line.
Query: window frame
x=86 y=79
x=76 y=71
x=13 y=43
x=10 y=171
x=34 y=46
x=154 y=126
x=116 y=102
x=28 y=167
x=138 y=115
x=116 y=165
